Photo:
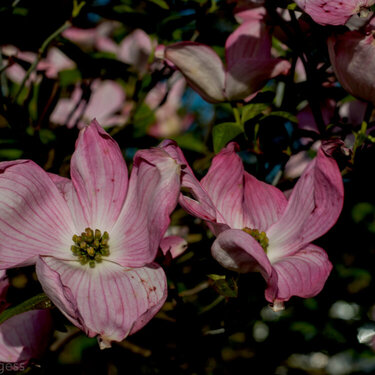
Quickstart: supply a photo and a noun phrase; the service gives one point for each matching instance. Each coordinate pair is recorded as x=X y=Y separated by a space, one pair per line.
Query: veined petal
x=152 y=196
x=263 y=204
x=201 y=67
x=99 y=175
x=34 y=218
x=113 y=301
x=247 y=76
x=25 y=336
x=302 y=274
x=238 y=251
x=200 y=205
x=70 y=196
x=313 y=208
x=174 y=245
x=106 y=99
x=224 y=185
x=249 y=40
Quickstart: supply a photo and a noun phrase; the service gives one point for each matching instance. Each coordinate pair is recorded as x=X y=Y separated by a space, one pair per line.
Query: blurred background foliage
x=214 y=321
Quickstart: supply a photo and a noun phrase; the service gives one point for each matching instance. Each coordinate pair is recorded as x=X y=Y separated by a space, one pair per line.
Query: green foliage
x=224 y=133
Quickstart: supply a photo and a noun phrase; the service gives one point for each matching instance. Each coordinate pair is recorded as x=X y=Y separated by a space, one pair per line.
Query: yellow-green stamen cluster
x=90 y=246
x=261 y=237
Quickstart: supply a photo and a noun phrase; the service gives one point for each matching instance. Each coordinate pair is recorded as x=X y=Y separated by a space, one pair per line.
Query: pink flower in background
x=258 y=229
x=107 y=98
x=168 y=122
x=55 y=62
x=135 y=49
x=88 y=38
x=249 y=64
x=352 y=56
x=25 y=336
x=334 y=12
x=94 y=237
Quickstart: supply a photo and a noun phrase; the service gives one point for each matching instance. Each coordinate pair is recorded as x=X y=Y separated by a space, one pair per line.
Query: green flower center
x=261 y=237
x=90 y=246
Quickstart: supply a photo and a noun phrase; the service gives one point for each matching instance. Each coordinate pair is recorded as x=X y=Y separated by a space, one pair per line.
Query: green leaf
x=292 y=6
x=68 y=77
x=224 y=133
x=226 y=288
x=38 y=302
x=361 y=210
x=10 y=154
x=143 y=118
x=249 y=111
x=46 y=136
x=286 y=115
x=161 y=3
x=188 y=141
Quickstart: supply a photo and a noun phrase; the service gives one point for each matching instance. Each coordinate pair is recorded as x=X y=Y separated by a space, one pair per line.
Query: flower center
x=261 y=237
x=90 y=246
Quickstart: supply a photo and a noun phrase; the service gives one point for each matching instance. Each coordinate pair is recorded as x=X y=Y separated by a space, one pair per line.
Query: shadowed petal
x=249 y=75
x=106 y=99
x=224 y=185
x=263 y=203
x=201 y=67
x=313 y=208
x=113 y=301
x=152 y=196
x=238 y=251
x=34 y=218
x=99 y=175
x=302 y=274
x=200 y=205
x=174 y=245
x=25 y=336
x=251 y=39
x=57 y=291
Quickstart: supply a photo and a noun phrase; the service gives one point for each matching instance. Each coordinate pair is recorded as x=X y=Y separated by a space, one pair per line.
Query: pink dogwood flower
x=334 y=12
x=352 y=56
x=168 y=122
x=135 y=49
x=249 y=64
x=258 y=229
x=22 y=337
x=94 y=237
x=106 y=100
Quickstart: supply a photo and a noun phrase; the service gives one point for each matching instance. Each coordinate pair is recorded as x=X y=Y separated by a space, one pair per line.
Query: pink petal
x=152 y=196
x=174 y=245
x=24 y=337
x=57 y=291
x=333 y=12
x=68 y=110
x=113 y=301
x=70 y=196
x=224 y=185
x=34 y=218
x=135 y=50
x=250 y=40
x=249 y=75
x=236 y=250
x=202 y=68
x=105 y=44
x=313 y=208
x=200 y=205
x=99 y=175
x=106 y=99
x=263 y=204
x=302 y=274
